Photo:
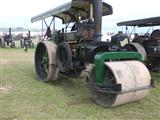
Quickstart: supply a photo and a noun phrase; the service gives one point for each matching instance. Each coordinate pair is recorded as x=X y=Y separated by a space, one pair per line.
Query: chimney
x=97 y=6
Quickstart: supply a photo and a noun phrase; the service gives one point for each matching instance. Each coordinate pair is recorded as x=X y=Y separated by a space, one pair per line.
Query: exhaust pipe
x=29 y=33
x=97 y=5
x=10 y=32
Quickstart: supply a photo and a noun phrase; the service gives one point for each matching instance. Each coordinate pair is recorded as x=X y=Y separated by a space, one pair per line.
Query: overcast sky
x=17 y=13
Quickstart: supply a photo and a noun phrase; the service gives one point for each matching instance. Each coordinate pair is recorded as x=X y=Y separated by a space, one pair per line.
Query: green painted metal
x=100 y=58
x=80 y=54
x=45 y=61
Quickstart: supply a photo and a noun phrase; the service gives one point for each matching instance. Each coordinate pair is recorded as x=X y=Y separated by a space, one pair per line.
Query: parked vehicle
x=150 y=41
x=115 y=78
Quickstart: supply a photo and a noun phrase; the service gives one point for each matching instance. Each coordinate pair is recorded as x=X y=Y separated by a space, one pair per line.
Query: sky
x=18 y=13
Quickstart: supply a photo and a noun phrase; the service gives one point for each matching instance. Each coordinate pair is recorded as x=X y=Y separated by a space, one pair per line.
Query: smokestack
x=29 y=33
x=97 y=5
x=10 y=32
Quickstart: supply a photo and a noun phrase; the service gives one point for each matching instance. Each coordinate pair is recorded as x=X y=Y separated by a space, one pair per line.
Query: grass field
x=24 y=98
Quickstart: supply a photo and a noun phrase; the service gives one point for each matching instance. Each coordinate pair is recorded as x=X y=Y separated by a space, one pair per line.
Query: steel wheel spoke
x=44 y=62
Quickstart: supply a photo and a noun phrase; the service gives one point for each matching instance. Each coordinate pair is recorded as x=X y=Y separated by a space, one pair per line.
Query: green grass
x=25 y=98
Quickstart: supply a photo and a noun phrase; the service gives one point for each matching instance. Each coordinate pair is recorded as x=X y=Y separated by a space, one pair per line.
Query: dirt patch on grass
x=4 y=89
x=4 y=61
x=7 y=62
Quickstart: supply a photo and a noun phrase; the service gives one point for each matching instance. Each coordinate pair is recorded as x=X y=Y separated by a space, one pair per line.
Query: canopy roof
x=71 y=11
x=154 y=21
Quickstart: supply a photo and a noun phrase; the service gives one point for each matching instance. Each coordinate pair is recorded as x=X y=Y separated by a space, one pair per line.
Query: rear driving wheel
x=2 y=44
x=153 y=64
x=13 y=45
x=136 y=47
x=32 y=45
x=22 y=43
x=45 y=61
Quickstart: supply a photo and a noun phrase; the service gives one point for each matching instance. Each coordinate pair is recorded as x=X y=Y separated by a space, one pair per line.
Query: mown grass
x=25 y=98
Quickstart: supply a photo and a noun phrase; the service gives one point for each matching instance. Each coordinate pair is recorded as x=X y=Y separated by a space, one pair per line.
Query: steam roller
x=114 y=77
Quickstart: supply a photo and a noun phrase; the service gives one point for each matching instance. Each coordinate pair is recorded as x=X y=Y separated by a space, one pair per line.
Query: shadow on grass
x=75 y=90
x=68 y=82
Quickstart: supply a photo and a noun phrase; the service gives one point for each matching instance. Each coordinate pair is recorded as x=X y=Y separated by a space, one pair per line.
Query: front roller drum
x=45 y=61
x=132 y=75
